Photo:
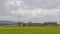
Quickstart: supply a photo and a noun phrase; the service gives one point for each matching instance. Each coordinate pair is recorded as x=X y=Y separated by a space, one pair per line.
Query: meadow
x=30 y=30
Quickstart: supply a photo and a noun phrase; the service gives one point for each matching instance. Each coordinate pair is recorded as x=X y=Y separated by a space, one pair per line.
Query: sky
x=30 y=10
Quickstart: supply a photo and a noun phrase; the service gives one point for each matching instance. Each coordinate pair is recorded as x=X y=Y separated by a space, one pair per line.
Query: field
x=30 y=30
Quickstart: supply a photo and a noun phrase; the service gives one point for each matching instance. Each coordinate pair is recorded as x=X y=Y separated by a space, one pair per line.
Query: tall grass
x=30 y=30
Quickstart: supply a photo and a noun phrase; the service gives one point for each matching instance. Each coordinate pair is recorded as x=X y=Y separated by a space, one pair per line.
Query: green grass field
x=30 y=30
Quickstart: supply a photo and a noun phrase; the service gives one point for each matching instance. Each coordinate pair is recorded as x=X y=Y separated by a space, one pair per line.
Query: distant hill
x=7 y=22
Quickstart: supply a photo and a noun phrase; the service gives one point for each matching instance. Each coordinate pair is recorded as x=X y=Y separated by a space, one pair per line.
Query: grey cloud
x=3 y=9
x=45 y=4
x=31 y=4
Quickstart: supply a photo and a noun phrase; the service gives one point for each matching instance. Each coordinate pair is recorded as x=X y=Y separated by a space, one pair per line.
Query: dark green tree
x=19 y=24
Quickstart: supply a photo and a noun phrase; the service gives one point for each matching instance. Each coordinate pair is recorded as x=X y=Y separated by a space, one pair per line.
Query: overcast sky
x=30 y=10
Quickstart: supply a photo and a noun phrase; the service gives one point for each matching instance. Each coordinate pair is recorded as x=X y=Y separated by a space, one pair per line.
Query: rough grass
x=30 y=30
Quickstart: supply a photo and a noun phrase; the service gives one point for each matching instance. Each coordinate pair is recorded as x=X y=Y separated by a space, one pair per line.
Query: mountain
x=7 y=22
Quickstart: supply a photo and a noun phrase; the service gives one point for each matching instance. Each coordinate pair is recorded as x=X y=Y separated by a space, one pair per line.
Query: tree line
x=19 y=24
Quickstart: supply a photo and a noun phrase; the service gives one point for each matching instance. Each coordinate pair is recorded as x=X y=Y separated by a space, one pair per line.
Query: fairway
x=30 y=30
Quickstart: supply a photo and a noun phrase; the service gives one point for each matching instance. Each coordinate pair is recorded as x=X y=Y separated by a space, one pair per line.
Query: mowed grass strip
x=30 y=30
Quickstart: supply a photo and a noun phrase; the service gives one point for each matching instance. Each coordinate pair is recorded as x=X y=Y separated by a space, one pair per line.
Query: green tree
x=19 y=24
x=30 y=23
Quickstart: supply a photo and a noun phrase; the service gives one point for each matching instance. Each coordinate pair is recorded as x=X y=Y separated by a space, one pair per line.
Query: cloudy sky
x=30 y=10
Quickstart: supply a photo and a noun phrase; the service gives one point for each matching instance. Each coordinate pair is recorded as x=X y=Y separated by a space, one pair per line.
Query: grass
x=30 y=30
